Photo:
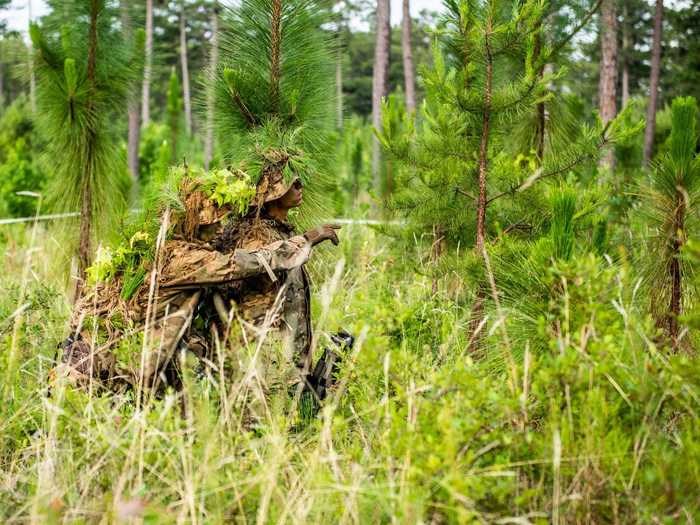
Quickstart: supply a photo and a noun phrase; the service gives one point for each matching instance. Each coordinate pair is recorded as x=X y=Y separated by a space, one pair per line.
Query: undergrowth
x=582 y=418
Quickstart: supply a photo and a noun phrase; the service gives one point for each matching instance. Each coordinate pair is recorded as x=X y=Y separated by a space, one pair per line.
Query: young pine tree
x=570 y=242
x=484 y=83
x=562 y=20
x=213 y=66
x=84 y=69
x=460 y=173
x=274 y=91
x=672 y=202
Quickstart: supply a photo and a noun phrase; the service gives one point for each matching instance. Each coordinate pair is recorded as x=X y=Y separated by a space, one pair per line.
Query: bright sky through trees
x=17 y=13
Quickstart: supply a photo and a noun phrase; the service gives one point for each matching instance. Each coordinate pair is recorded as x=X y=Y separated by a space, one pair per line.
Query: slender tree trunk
x=540 y=109
x=339 y=88
x=32 y=74
x=625 y=84
x=675 y=307
x=477 y=312
x=437 y=250
x=185 y=69
x=2 y=81
x=85 y=235
x=653 y=83
x=607 y=88
x=148 y=66
x=356 y=167
x=86 y=205
x=134 y=138
x=484 y=149
x=275 y=44
x=134 y=117
x=32 y=86
x=380 y=83
x=407 y=51
x=174 y=112
x=173 y=144
x=625 y=56
x=213 y=64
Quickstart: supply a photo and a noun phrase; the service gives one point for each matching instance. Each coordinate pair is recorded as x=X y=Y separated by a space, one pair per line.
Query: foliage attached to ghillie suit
x=112 y=314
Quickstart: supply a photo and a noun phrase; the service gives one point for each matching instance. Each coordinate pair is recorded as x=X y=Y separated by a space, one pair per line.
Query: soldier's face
x=293 y=197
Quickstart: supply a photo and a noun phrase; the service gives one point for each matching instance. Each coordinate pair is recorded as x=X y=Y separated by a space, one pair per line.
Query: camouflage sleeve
x=273 y=257
x=189 y=265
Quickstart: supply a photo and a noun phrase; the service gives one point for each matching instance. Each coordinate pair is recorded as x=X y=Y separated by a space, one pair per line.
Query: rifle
x=324 y=374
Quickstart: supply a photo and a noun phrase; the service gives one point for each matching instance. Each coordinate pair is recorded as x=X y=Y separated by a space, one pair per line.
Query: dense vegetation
x=525 y=302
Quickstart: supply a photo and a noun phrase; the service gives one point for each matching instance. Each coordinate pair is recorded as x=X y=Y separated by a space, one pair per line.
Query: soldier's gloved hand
x=322 y=233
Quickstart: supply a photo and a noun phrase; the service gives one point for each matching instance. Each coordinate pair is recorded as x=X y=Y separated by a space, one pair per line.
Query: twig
x=531 y=180
x=250 y=118
x=465 y=193
x=578 y=28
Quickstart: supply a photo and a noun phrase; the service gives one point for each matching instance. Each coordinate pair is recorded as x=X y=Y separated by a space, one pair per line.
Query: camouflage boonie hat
x=272 y=186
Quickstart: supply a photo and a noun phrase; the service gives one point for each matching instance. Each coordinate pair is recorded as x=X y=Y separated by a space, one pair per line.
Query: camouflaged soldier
x=211 y=270
x=275 y=305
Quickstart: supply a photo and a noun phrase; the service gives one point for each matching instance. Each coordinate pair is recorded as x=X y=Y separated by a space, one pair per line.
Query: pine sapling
x=84 y=70
x=672 y=201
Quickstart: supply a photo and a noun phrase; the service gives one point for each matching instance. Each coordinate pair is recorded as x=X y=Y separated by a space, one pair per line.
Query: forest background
x=519 y=262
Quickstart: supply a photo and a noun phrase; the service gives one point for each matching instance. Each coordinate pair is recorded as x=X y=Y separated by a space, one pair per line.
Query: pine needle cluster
x=671 y=200
x=273 y=90
x=84 y=71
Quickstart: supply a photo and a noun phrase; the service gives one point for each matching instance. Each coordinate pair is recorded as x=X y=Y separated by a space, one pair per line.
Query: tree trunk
x=653 y=83
x=213 y=64
x=134 y=138
x=185 y=70
x=275 y=49
x=2 y=82
x=174 y=112
x=484 y=149
x=437 y=249
x=380 y=83
x=148 y=66
x=85 y=235
x=477 y=312
x=540 y=109
x=675 y=307
x=86 y=207
x=625 y=56
x=32 y=75
x=607 y=88
x=476 y=317
x=134 y=117
x=407 y=51
x=339 y=88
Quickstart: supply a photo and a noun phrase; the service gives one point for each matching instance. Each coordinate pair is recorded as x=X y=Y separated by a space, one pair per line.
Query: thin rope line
x=68 y=215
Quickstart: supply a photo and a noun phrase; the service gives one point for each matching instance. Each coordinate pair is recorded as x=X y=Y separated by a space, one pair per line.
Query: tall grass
x=599 y=427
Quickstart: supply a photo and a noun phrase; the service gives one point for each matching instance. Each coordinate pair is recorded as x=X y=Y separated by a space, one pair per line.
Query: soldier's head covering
x=273 y=184
x=273 y=187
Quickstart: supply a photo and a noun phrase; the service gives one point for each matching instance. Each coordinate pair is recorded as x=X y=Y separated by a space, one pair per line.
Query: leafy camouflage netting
x=212 y=249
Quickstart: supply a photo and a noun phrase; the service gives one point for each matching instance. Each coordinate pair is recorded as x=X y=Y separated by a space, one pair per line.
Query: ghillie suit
x=204 y=267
